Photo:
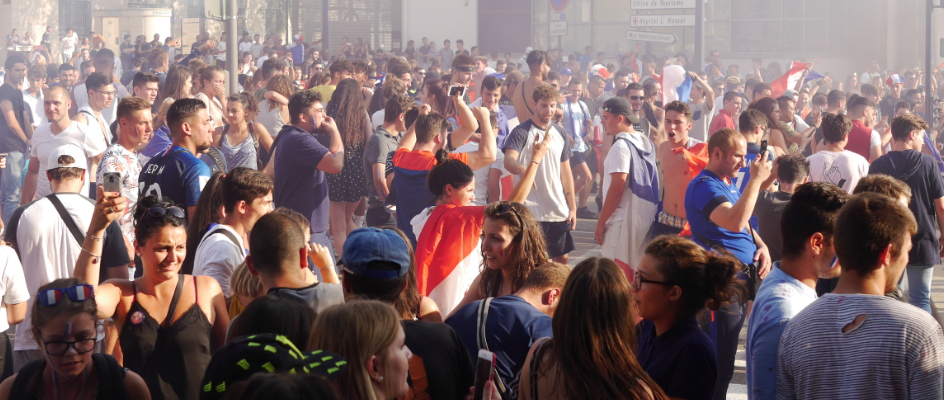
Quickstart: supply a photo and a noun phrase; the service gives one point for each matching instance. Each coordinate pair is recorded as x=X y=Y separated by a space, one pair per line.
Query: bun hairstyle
x=706 y=278
x=145 y=225
x=447 y=171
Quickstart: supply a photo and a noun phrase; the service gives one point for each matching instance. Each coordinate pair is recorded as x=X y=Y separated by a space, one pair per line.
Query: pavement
x=587 y=247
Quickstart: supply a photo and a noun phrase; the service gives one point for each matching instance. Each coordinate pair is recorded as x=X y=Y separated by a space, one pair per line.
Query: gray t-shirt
x=447 y=56
x=768 y=212
x=380 y=145
x=320 y=295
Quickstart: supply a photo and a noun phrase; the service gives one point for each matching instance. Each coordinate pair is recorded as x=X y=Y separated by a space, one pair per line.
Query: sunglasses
x=158 y=212
x=637 y=97
x=509 y=207
x=52 y=297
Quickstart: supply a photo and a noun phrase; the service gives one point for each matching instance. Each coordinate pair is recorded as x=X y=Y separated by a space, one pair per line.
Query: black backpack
x=111 y=378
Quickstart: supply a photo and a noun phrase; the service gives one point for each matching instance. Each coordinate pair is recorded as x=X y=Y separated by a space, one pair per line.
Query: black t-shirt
x=920 y=172
x=887 y=105
x=126 y=58
x=9 y=141
x=439 y=351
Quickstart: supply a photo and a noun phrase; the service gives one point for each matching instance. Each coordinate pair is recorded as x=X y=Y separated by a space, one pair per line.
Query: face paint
x=835 y=262
x=68 y=331
x=501 y=252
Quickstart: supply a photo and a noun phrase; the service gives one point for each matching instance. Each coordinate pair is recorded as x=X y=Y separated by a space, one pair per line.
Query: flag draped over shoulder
x=643 y=204
x=697 y=158
x=676 y=84
x=448 y=253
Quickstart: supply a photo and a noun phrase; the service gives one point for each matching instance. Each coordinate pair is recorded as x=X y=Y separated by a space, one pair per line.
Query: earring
x=380 y=378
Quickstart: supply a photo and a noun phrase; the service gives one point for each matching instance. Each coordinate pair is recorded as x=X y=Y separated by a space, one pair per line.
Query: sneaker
x=585 y=213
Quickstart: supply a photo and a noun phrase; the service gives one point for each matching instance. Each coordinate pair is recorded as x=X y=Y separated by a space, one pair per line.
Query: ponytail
x=448 y=171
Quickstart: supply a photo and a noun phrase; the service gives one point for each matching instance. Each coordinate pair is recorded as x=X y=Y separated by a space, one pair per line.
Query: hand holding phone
x=484 y=372
x=111 y=182
x=456 y=90
x=763 y=148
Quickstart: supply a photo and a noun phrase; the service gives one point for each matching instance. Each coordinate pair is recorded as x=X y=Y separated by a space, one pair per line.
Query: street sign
x=558 y=16
x=558 y=5
x=559 y=28
x=661 y=4
x=654 y=37
x=662 y=20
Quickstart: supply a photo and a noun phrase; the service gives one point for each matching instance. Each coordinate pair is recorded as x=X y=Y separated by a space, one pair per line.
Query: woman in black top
x=169 y=323
x=64 y=325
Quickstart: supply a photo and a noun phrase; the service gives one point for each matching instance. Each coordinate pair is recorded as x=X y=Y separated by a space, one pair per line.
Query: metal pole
x=700 y=35
x=929 y=117
x=231 y=46
x=325 y=43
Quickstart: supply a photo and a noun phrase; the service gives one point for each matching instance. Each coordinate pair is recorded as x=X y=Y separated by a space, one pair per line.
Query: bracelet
x=94 y=237
x=95 y=257
x=326 y=266
x=535 y=162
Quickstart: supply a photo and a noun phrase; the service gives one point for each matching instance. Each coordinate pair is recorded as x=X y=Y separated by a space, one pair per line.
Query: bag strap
x=229 y=235
x=481 y=318
x=70 y=223
x=173 y=303
x=217 y=159
x=20 y=389
x=533 y=377
x=111 y=377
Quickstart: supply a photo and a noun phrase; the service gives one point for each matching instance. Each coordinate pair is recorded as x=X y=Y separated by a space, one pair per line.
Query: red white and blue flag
x=676 y=84
x=790 y=79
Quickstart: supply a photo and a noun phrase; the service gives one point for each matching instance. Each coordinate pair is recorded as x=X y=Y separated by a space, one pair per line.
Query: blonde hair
x=245 y=283
x=357 y=331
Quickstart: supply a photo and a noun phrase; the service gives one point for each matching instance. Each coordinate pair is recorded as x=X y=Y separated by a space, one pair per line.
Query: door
x=110 y=32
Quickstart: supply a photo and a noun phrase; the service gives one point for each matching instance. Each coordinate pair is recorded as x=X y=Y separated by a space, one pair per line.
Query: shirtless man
x=539 y=64
x=675 y=170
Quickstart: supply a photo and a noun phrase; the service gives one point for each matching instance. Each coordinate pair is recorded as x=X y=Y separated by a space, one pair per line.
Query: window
x=798 y=27
x=77 y=14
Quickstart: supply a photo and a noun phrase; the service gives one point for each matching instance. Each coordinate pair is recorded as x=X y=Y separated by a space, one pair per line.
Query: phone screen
x=763 y=148
x=483 y=372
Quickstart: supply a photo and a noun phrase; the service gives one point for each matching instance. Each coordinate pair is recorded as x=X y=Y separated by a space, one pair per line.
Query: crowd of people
x=360 y=226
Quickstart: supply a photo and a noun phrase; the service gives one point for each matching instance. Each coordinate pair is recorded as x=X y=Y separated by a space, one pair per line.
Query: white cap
x=78 y=157
x=528 y=50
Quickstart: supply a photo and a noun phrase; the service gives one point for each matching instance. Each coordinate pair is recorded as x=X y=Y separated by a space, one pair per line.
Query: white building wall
x=439 y=20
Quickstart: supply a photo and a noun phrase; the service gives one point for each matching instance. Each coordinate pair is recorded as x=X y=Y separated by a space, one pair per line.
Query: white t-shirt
x=217 y=256
x=800 y=125
x=261 y=60
x=843 y=169
x=377 y=119
x=244 y=47
x=481 y=174
x=36 y=108
x=80 y=93
x=618 y=162
x=12 y=283
x=69 y=42
x=700 y=121
x=44 y=142
x=547 y=202
x=221 y=46
x=47 y=249
x=577 y=126
x=256 y=49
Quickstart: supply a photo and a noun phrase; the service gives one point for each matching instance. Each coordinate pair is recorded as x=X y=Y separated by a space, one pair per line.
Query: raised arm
x=108 y=208
x=709 y=94
x=409 y=138
x=468 y=124
x=485 y=155
x=736 y=217
x=332 y=162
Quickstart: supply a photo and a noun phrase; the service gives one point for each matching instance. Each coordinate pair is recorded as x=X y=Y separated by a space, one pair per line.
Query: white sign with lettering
x=660 y=4
x=662 y=20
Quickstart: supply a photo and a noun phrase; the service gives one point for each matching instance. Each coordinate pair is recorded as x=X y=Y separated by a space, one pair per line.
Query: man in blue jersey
x=719 y=215
x=753 y=126
x=177 y=174
x=509 y=325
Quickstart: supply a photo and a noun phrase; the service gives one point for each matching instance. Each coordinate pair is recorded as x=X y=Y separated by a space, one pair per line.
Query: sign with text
x=663 y=20
x=558 y=16
x=661 y=4
x=559 y=28
x=654 y=37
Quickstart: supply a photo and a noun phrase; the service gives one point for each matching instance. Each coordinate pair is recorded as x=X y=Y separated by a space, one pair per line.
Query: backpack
x=111 y=378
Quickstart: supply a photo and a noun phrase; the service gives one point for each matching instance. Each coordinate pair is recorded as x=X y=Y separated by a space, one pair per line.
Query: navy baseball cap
x=566 y=71
x=366 y=245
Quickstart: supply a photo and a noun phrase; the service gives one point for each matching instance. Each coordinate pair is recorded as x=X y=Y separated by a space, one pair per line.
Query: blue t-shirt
x=705 y=193
x=511 y=328
x=681 y=360
x=299 y=184
x=176 y=175
x=780 y=298
x=159 y=142
x=744 y=174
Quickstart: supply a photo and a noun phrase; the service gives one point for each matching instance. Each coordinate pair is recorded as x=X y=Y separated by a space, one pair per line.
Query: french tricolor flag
x=790 y=79
x=676 y=84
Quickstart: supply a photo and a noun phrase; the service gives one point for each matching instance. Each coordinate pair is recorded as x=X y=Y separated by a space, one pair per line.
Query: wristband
x=94 y=237
x=535 y=162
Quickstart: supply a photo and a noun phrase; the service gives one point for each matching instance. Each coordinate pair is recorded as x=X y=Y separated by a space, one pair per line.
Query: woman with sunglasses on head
x=592 y=353
x=510 y=240
x=64 y=325
x=169 y=323
x=676 y=279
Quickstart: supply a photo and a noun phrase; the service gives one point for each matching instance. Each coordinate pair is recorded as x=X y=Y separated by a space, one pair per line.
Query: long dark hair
x=448 y=171
x=348 y=110
x=766 y=106
x=528 y=250
x=594 y=344
x=439 y=89
x=145 y=224
x=209 y=210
